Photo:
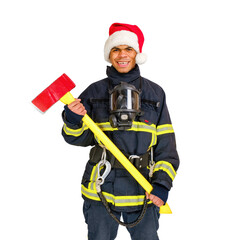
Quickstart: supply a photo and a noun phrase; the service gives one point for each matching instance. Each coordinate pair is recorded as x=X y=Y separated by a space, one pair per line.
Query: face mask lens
x=113 y=103
x=124 y=98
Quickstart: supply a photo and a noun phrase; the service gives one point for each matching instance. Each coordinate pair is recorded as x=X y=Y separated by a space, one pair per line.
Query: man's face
x=122 y=58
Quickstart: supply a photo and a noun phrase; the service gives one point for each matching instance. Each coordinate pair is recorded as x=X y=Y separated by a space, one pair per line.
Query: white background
x=193 y=53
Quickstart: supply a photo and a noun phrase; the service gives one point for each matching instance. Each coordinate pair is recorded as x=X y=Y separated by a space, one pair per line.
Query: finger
x=82 y=112
x=159 y=203
x=147 y=195
x=77 y=107
x=151 y=197
x=74 y=103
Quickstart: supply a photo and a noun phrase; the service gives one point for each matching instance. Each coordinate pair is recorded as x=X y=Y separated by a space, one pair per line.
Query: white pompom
x=141 y=58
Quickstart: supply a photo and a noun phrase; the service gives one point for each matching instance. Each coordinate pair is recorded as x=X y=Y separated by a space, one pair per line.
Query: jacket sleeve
x=165 y=153
x=74 y=130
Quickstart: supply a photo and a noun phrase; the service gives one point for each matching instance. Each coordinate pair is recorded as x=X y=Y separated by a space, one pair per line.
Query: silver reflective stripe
x=94 y=175
x=75 y=132
x=138 y=200
x=167 y=167
x=165 y=128
x=144 y=126
x=154 y=140
x=136 y=126
x=91 y=195
x=115 y=200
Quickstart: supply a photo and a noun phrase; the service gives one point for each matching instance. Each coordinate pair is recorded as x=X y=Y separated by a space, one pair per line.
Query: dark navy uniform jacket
x=153 y=128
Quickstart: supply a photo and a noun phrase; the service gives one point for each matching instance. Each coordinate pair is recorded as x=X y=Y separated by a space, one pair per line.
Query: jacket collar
x=117 y=77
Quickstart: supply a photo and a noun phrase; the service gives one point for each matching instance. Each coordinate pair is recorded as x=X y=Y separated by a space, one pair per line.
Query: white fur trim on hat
x=141 y=58
x=124 y=37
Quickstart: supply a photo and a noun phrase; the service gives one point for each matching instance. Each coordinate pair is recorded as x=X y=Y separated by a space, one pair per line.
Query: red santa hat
x=125 y=34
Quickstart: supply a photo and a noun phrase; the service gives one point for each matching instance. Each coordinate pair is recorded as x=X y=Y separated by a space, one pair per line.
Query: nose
x=123 y=53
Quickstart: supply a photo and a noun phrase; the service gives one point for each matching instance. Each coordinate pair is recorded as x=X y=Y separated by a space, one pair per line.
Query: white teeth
x=122 y=63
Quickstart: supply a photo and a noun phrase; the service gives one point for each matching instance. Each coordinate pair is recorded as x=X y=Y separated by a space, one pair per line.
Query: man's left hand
x=156 y=200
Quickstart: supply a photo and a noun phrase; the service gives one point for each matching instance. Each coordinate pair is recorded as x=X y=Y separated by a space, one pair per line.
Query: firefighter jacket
x=152 y=128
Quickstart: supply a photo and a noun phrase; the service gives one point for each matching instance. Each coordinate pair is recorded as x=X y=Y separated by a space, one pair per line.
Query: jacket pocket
x=100 y=109
x=150 y=113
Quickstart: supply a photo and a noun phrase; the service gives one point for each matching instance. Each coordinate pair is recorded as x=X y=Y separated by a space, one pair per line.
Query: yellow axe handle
x=117 y=153
x=68 y=98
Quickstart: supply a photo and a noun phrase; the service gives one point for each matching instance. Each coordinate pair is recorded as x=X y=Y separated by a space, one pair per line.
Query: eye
x=115 y=50
x=129 y=49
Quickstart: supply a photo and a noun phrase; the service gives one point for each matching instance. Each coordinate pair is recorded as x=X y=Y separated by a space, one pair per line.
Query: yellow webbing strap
x=165 y=209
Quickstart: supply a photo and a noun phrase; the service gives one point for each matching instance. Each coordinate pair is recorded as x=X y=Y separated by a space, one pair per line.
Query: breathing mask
x=124 y=105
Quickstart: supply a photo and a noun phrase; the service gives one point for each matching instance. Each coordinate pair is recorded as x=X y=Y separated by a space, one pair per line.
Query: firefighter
x=131 y=110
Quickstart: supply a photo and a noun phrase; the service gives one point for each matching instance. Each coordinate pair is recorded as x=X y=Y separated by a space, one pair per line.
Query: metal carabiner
x=151 y=164
x=107 y=164
x=133 y=157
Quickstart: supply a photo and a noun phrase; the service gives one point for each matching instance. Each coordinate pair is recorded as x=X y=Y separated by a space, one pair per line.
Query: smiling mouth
x=122 y=63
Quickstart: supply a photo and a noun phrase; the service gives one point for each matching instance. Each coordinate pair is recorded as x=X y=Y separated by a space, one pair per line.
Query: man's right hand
x=77 y=107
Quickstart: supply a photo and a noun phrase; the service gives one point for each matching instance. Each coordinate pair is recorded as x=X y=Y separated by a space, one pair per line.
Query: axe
x=60 y=90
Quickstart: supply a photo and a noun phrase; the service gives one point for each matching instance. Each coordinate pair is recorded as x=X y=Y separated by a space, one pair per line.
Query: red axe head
x=53 y=93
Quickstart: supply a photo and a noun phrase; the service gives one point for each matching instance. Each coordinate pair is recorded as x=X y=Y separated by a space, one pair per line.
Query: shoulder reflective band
x=164 y=129
x=166 y=167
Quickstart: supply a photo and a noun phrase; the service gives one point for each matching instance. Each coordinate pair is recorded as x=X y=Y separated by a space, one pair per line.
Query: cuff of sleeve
x=71 y=116
x=160 y=191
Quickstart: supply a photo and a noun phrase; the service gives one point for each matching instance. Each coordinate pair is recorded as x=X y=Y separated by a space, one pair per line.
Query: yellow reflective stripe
x=119 y=201
x=75 y=132
x=106 y=126
x=93 y=177
x=136 y=126
x=166 y=167
x=154 y=140
x=143 y=127
x=90 y=193
x=165 y=128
